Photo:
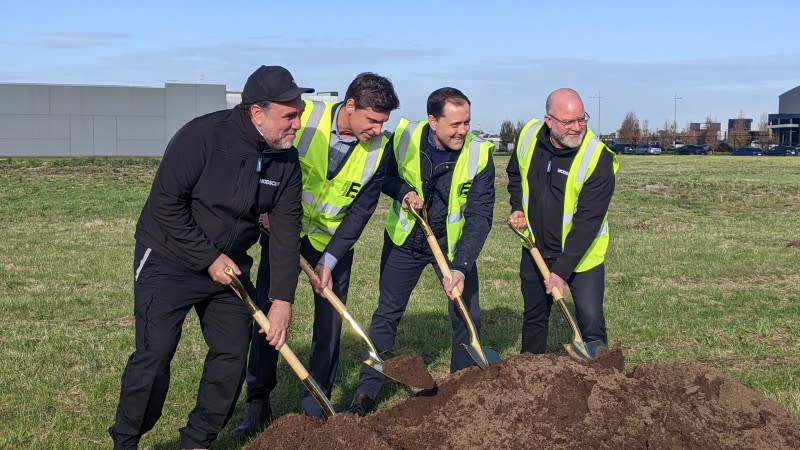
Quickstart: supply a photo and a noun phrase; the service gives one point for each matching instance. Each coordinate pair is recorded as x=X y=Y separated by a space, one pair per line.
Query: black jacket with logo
x=217 y=175
x=547 y=179
x=478 y=211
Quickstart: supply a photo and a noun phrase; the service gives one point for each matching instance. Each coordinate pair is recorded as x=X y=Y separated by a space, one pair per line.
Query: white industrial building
x=76 y=120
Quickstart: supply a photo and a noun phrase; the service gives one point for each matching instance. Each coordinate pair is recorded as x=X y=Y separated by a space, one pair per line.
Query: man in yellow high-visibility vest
x=441 y=166
x=341 y=148
x=561 y=180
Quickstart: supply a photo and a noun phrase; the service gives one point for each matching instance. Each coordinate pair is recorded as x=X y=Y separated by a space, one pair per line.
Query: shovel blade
x=586 y=351
x=491 y=356
x=403 y=369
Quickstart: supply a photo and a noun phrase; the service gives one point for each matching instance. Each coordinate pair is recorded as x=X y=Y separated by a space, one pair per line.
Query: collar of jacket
x=544 y=140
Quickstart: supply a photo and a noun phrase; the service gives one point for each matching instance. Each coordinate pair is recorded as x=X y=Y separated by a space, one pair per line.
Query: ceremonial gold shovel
x=285 y=351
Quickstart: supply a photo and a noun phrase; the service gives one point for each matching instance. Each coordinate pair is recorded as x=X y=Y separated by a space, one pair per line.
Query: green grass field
x=703 y=265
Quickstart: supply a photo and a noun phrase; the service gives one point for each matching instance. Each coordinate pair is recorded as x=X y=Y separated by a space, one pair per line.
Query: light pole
x=599 y=132
x=675 y=118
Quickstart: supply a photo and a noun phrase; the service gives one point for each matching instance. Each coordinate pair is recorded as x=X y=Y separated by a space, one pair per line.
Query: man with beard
x=561 y=179
x=218 y=174
x=438 y=165
x=342 y=153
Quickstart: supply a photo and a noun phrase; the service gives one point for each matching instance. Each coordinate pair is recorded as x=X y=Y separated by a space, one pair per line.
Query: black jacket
x=436 y=186
x=208 y=193
x=547 y=179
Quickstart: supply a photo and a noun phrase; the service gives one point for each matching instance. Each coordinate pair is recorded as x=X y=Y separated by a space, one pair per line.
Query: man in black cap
x=218 y=174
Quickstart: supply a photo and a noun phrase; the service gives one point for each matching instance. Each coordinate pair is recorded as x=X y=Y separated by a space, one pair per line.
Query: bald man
x=561 y=179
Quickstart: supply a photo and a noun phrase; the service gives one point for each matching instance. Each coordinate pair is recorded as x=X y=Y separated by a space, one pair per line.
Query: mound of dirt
x=549 y=401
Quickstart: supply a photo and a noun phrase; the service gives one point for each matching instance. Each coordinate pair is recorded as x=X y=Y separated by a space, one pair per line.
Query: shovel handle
x=339 y=306
x=537 y=258
x=441 y=262
x=558 y=296
x=329 y=295
x=263 y=322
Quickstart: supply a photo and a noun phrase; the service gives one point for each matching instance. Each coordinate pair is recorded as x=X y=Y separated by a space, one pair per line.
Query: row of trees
x=633 y=131
x=708 y=132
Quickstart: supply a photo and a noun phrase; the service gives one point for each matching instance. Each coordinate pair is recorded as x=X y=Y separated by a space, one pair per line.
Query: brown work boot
x=256 y=419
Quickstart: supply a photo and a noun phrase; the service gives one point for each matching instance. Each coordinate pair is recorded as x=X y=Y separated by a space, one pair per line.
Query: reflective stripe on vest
x=473 y=159
x=325 y=202
x=581 y=169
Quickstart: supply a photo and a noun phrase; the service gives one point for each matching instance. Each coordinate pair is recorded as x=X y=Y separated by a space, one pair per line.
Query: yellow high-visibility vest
x=325 y=202
x=472 y=159
x=582 y=167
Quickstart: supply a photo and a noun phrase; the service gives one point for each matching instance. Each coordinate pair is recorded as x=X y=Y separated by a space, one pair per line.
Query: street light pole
x=675 y=118
x=599 y=132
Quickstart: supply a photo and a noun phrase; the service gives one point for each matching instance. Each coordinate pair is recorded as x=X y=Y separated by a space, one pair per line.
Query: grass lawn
x=703 y=265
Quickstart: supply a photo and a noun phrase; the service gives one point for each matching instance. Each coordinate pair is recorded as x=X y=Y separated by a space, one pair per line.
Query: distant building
x=786 y=124
x=740 y=124
x=82 y=120
x=704 y=132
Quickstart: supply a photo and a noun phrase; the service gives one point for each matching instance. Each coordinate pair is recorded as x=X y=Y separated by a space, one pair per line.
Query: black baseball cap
x=271 y=83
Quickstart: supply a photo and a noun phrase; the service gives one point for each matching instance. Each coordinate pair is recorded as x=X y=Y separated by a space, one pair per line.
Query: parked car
x=654 y=149
x=747 y=151
x=619 y=147
x=782 y=150
x=641 y=150
x=724 y=147
x=692 y=149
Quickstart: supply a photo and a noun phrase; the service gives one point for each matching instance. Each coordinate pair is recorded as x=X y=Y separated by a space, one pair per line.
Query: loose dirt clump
x=548 y=401
x=410 y=370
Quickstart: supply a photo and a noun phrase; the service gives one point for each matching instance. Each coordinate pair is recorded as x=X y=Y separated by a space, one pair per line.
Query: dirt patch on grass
x=549 y=401
x=795 y=244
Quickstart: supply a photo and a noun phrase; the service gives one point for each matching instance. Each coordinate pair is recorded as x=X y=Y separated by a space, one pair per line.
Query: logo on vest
x=463 y=188
x=352 y=189
x=563 y=172
x=269 y=182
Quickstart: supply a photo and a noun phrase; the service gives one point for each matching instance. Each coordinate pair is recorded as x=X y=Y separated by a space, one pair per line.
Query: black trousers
x=400 y=272
x=324 y=355
x=587 y=290
x=164 y=293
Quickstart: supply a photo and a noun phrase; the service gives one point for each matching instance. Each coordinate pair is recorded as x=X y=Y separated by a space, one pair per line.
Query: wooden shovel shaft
x=340 y=308
x=285 y=351
x=444 y=267
x=558 y=296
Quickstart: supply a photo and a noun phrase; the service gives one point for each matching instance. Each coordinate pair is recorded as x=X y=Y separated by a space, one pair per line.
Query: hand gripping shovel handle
x=441 y=261
x=285 y=351
x=340 y=308
x=577 y=341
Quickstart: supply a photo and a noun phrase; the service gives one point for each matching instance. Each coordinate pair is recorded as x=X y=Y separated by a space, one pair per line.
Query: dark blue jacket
x=436 y=185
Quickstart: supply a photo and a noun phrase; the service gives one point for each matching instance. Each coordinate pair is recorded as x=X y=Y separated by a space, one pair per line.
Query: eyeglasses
x=569 y=123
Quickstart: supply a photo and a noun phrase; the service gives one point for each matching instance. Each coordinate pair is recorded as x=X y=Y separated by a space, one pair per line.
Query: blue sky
x=722 y=58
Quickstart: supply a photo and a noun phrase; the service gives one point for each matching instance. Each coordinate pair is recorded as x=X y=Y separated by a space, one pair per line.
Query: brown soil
x=410 y=370
x=549 y=401
x=794 y=244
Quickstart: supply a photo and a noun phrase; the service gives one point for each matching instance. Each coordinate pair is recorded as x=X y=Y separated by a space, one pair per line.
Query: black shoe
x=257 y=417
x=361 y=406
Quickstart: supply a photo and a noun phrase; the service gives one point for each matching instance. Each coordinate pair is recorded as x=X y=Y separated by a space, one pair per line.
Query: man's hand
x=455 y=285
x=217 y=269
x=554 y=281
x=280 y=317
x=325 y=279
x=517 y=219
x=413 y=199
